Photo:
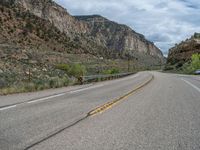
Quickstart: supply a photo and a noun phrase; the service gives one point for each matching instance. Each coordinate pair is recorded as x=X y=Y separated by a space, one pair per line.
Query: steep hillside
x=182 y=52
x=37 y=35
x=31 y=47
x=121 y=38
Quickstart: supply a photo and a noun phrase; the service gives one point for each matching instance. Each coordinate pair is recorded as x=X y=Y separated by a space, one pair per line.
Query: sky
x=164 y=22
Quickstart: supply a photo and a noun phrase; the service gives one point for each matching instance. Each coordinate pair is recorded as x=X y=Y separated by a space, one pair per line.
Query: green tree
x=195 y=63
x=190 y=67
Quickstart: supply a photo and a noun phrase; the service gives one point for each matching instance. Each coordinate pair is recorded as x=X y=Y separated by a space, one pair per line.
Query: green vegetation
x=54 y=79
x=75 y=70
x=187 y=68
x=191 y=67
x=195 y=64
x=36 y=85
x=197 y=35
x=111 y=71
x=64 y=67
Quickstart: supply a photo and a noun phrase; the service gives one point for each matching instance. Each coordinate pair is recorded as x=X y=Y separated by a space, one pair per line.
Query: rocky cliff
x=182 y=52
x=120 y=38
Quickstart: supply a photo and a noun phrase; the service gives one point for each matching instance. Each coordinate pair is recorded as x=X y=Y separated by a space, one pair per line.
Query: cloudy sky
x=165 y=22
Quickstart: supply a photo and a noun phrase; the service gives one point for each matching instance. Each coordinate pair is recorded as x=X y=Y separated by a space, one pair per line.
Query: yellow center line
x=110 y=104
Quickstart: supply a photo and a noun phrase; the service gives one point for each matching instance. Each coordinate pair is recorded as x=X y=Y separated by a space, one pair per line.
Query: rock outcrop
x=182 y=52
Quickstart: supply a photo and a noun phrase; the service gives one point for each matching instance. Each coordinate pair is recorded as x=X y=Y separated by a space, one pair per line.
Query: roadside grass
x=37 y=85
x=60 y=74
x=111 y=71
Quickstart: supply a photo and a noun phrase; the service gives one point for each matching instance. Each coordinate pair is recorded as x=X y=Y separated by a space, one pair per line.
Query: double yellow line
x=110 y=104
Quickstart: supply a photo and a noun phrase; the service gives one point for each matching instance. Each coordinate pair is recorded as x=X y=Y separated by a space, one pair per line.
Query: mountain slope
x=118 y=40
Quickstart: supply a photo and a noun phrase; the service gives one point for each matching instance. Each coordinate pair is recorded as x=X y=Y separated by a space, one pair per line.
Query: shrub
x=64 y=67
x=192 y=66
x=112 y=71
x=75 y=70
x=186 y=68
x=56 y=82
x=35 y=85
x=28 y=87
x=197 y=35
x=195 y=64
x=65 y=81
x=52 y=82
x=3 y=83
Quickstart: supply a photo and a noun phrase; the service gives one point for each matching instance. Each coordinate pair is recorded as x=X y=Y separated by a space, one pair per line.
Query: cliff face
x=49 y=10
x=119 y=38
x=182 y=52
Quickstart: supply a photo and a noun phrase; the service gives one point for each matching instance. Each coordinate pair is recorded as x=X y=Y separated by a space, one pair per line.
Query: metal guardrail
x=96 y=78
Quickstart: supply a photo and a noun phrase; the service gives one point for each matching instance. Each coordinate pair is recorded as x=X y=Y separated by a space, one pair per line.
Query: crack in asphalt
x=54 y=133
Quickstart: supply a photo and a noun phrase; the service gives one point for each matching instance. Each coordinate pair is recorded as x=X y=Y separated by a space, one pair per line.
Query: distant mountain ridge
x=119 y=37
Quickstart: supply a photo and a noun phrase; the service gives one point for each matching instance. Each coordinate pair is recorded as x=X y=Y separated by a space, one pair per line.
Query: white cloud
x=164 y=22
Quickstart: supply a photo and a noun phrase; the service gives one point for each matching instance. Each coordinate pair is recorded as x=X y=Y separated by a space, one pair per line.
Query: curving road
x=162 y=115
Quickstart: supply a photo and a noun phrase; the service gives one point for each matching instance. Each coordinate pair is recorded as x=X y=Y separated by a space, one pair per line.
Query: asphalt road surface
x=162 y=115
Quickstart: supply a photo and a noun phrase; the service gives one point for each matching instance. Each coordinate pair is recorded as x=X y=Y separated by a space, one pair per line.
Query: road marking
x=8 y=107
x=96 y=86
x=195 y=87
x=91 y=113
x=45 y=98
x=50 y=97
x=110 y=104
x=59 y=130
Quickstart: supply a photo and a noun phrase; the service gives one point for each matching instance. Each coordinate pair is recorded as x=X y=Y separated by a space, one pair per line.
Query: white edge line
x=195 y=87
x=9 y=107
x=34 y=101
x=45 y=98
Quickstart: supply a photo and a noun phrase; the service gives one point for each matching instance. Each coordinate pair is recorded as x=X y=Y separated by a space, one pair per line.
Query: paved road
x=163 y=115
